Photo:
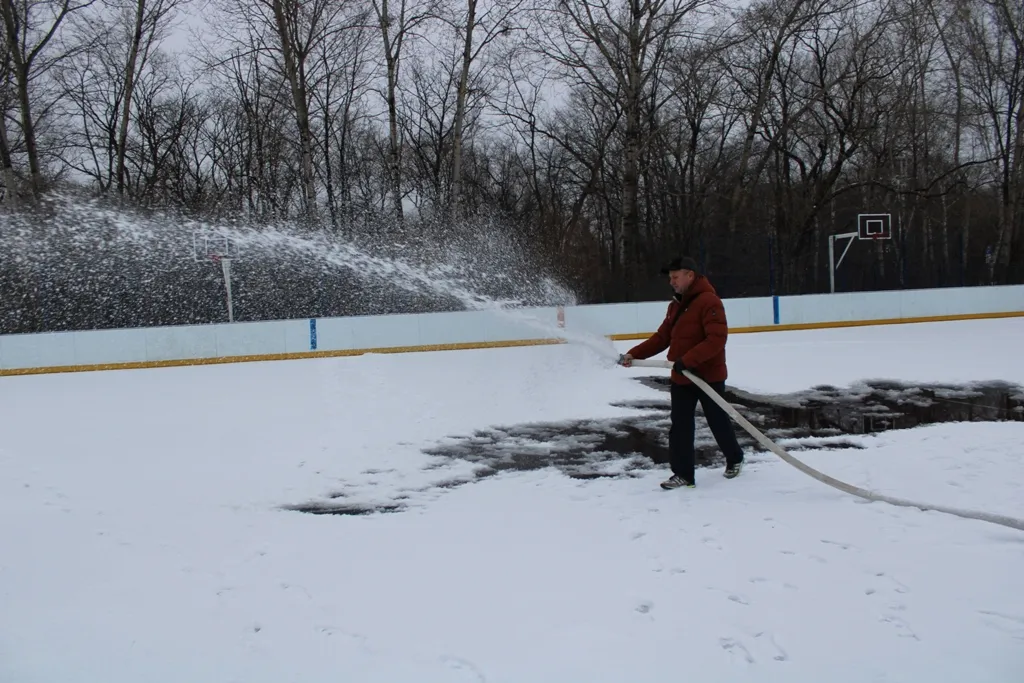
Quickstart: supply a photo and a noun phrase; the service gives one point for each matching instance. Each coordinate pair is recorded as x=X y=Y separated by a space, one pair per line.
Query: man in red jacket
x=694 y=332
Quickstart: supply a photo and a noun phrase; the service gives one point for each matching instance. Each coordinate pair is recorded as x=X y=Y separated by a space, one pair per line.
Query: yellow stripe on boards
x=848 y=323
x=180 y=362
x=466 y=346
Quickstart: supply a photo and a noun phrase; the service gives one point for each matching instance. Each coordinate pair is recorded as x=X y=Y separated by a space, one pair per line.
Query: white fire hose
x=1004 y=520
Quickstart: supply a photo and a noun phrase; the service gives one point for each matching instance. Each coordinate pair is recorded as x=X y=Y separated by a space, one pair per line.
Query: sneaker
x=733 y=471
x=675 y=481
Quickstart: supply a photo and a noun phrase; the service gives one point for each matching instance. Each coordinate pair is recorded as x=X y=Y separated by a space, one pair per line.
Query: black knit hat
x=680 y=263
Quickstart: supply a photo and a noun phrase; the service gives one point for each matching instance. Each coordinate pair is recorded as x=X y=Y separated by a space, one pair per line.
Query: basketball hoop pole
x=225 y=266
x=832 y=265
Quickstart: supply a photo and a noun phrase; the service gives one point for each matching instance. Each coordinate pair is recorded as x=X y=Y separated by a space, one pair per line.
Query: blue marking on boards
x=312 y=334
x=775 y=307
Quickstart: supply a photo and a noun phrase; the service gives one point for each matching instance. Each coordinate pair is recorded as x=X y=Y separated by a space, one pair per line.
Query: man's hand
x=679 y=367
x=625 y=360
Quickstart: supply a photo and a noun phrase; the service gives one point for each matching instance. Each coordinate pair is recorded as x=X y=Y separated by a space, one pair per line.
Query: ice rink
x=149 y=528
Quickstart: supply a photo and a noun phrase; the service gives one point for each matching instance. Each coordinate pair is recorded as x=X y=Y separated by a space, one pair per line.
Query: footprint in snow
x=793 y=553
x=898 y=585
x=460 y=664
x=733 y=646
x=902 y=627
x=885 y=585
x=734 y=597
x=1009 y=624
x=335 y=631
x=711 y=542
x=780 y=654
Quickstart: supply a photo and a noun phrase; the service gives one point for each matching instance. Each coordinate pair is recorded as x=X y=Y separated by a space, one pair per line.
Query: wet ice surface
x=820 y=418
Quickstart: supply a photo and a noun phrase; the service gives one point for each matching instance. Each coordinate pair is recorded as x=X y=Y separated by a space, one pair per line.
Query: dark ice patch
x=823 y=417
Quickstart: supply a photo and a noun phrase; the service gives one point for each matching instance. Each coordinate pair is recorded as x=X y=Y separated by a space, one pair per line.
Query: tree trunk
x=630 y=219
x=394 y=149
x=10 y=178
x=1016 y=188
x=129 y=89
x=296 y=80
x=391 y=58
x=332 y=206
x=21 y=74
x=739 y=197
x=944 y=236
x=965 y=241
x=460 y=112
x=631 y=152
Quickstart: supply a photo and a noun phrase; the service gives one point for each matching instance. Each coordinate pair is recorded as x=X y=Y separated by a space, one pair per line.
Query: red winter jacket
x=697 y=336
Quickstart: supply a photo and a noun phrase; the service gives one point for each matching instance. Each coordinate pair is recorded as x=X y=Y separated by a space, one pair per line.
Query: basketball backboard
x=874 y=226
x=213 y=246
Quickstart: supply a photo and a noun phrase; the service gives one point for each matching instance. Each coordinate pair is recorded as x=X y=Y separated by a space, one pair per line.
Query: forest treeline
x=602 y=136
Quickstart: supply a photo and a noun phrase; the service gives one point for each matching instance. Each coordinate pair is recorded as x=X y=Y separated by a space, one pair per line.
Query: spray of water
x=471 y=272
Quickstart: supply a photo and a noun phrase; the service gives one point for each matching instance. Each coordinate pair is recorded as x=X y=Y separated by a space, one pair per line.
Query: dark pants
x=681 y=435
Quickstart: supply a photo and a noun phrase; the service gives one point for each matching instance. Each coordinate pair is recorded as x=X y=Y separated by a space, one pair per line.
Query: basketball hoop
x=872 y=227
x=221 y=249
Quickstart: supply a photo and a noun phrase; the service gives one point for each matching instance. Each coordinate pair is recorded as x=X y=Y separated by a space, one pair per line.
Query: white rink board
x=276 y=338
x=917 y=303
x=43 y=350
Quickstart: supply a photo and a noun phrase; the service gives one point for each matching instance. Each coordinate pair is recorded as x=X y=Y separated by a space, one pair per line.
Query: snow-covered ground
x=145 y=533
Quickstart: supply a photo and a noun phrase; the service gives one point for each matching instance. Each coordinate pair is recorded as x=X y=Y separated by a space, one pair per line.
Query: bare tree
x=696 y=156
x=994 y=79
x=147 y=26
x=261 y=119
x=30 y=26
x=769 y=29
x=520 y=99
x=399 y=22
x=291 y=33
x=428 y=118
x=476 y=28
x=346 y=76
x=98 y=84
x=619 y=50
x=11 y=189
x=833 y=100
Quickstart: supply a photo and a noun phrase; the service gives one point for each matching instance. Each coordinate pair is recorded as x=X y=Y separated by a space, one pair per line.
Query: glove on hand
x=679 y=367
x=625 y=360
